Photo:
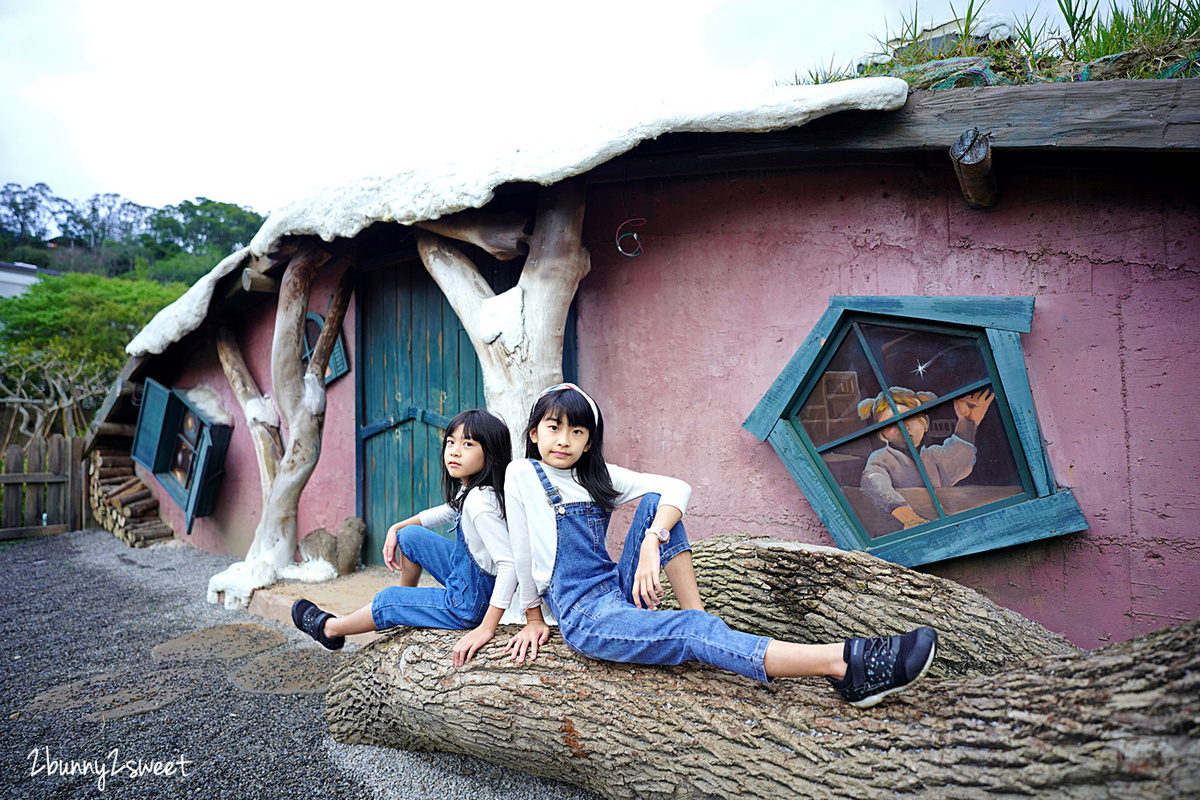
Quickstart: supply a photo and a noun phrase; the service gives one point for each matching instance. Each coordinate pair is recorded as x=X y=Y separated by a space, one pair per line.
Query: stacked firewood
x=121 y=502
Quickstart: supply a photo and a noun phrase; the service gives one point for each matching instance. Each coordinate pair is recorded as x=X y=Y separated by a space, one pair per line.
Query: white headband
x=591 y=403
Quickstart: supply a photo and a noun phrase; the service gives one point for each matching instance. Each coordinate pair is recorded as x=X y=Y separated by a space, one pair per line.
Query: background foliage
x=62 y=342
x=110 y=235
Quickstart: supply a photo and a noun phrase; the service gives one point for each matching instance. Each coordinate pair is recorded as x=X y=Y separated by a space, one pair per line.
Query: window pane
x=181 y=463
x=870 y=502
x=925 y=361
x=190 y=427
x=963 y=448
x=830 y=411
x=993 y=474
x=312 y=332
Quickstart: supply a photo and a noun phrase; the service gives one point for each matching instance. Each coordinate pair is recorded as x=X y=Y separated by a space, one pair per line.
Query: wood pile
x=121 y=502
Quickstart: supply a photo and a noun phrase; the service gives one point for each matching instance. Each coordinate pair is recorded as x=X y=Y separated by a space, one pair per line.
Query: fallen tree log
x=808 y=593
x=1121 y=721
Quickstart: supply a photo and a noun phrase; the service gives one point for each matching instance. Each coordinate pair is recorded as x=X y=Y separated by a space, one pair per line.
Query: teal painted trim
x=774 y=403
x=791 y=451
x=1042 y=518
x=1005 y=313
x=1010 y=364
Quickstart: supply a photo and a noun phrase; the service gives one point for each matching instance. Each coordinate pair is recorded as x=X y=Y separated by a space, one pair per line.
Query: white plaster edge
x=429 y=192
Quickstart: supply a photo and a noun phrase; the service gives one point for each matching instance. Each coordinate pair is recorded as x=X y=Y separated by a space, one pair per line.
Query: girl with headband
x=559 y=501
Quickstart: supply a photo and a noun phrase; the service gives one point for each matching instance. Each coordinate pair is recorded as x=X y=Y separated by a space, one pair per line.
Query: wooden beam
x=257 y=282
x=35 y=530
x=116 y=429
x=971 y=155
x=1123 y=116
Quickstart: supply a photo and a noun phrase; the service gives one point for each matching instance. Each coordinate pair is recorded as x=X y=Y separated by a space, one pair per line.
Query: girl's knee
x=648 y=505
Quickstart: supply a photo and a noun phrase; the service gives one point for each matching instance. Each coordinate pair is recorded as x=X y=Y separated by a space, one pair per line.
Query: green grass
x=1143 y=41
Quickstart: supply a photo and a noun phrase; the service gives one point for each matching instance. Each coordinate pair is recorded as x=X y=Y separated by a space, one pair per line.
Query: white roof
x=435 y=190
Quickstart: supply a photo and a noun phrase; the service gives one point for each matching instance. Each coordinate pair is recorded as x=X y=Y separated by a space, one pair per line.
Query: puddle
x=120 y=694
x=221 y=641
x=292 y=672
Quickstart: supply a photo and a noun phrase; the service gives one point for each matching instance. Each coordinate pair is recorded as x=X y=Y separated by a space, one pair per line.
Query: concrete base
x=340 y=596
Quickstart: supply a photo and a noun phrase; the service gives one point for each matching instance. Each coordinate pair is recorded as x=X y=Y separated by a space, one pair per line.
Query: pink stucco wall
x=330 y=495
x=680 y=343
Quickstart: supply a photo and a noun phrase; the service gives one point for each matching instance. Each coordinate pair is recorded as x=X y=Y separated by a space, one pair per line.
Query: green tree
x=91 y=317
x=204 y=227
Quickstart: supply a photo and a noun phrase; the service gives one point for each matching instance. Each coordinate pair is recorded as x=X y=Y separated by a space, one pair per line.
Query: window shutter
x=151 y=419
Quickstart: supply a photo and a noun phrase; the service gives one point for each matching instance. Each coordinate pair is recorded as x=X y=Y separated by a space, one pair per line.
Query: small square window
x=909 y=426
x=338 y=364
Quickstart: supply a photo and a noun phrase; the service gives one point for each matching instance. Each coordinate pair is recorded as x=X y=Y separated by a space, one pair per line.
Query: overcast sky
x=257 y=102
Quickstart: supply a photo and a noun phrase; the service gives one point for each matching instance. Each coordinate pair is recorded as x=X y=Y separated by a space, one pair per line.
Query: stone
x=349 y=545
x=319 y=544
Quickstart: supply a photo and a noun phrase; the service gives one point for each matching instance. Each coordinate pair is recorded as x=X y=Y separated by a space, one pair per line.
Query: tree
x=184 y=241
x=28 y=214
x=103 y=219
x=299 y=393
x=48 y=390
x=91 y=317
x=1010 y=709
x=62 y=344
x=518 y=335
x=203 y=227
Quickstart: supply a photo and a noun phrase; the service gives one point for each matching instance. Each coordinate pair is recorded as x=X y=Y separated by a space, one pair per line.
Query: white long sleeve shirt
x=533 y=527
x=486 y=537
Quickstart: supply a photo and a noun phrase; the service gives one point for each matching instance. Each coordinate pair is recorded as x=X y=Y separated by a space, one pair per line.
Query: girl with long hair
x=558 y=502
x=476 y=569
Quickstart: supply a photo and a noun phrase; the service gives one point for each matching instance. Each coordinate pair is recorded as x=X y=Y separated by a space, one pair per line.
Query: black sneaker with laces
x=877 y=667
x=310 y=619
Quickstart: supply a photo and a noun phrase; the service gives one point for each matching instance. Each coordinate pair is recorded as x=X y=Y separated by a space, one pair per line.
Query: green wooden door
x=418 y=369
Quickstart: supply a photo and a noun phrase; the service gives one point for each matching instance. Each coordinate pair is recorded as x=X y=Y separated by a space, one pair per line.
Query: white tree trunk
x=518 y=335
x=300 y=396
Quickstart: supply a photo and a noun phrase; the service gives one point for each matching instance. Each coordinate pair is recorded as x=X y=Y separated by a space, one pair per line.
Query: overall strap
x=552 y=495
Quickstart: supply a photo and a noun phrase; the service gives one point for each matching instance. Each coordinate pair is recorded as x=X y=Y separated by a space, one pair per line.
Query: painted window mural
x=909 y=426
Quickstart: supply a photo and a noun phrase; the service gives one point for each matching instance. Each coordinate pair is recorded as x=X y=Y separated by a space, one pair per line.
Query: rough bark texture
x=1123 y=721
x=299 y=394
x=524 y=354
x=807 y=593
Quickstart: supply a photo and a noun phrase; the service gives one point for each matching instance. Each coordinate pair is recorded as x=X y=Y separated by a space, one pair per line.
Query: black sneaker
x=880 y=666
x=310 y=619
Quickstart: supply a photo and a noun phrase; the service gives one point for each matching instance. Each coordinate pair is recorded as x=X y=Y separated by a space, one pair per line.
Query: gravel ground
x=82 y=605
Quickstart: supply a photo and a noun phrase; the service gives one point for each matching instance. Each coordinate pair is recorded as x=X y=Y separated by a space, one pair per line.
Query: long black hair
x=492 y=435
x=569 y=407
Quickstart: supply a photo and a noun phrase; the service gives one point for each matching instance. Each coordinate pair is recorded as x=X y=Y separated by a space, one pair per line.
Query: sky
x=260 y=102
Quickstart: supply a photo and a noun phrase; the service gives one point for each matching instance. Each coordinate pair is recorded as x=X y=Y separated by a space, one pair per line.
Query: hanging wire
x=635 y=249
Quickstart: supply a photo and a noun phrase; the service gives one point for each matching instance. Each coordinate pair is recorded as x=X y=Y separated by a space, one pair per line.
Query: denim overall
x=462 y=602
x=592 y=598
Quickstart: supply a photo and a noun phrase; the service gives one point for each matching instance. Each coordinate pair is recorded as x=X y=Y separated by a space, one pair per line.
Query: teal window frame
x=160 y=418
x=339 y=364
x=1043 y=510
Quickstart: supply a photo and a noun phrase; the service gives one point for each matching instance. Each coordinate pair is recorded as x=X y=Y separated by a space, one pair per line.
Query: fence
x=43 y=487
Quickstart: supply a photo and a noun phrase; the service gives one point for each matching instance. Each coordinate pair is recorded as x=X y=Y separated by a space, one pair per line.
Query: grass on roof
x=1150 y=39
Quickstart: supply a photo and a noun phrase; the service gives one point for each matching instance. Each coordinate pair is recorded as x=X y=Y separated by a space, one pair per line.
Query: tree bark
x=518 y=336
x=284 y=469
x=1123 y=721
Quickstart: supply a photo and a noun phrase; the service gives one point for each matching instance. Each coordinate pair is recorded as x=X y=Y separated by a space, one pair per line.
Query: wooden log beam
x=971 y=156
x=257 y=282
x=501 y=235
x=1127 y=116
x=1116 y=722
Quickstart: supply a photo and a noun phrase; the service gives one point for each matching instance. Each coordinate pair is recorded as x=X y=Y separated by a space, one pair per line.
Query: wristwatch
x=662 y=533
